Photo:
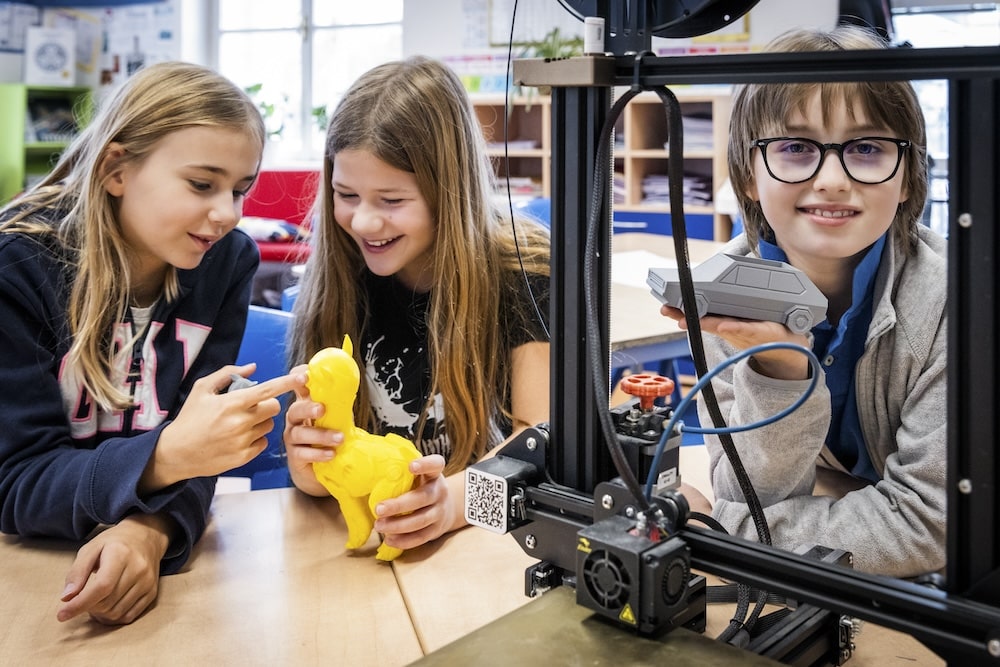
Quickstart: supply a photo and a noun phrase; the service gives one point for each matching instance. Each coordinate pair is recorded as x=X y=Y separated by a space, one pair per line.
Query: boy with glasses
x=832 y=178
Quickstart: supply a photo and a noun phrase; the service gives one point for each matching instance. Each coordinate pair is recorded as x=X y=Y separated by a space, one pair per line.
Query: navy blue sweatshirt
x=66 y=469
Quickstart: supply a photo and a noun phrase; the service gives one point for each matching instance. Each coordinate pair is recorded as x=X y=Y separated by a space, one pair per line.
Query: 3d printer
x=566 y=490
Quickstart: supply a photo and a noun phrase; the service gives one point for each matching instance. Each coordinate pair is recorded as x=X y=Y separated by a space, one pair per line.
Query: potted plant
x=552 y=46
x=272 y=112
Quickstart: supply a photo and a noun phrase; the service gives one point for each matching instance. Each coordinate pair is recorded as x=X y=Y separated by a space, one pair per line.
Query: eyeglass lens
x=867 y=160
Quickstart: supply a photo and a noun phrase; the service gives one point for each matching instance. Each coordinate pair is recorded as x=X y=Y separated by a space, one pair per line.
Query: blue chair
x=737 y=226
x=288 y=297
x=264 y=343
x=539 y=208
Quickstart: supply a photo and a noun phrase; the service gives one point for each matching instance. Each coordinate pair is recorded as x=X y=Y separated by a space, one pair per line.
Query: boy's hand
x=744 y=334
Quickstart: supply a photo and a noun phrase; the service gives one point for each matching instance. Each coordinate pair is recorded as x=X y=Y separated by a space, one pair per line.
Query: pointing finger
x=273 y=388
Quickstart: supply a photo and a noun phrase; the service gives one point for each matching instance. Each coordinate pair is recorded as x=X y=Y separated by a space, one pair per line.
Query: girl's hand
x=216 y=431
x=744 y=334
x=423 y=514
x=306 y=444
x=116 y=575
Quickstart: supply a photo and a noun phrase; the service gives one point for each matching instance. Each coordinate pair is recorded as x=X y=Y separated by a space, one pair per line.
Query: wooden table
x=271 y=584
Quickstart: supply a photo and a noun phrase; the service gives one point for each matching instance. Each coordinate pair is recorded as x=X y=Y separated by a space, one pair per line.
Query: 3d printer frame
x=961 y=623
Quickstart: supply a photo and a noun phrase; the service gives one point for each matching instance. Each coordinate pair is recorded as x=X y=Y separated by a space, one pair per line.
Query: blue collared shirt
x=838 y=350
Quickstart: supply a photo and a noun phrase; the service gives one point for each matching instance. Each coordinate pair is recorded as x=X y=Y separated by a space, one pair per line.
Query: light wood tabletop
x=270 y=583
x=460 y=583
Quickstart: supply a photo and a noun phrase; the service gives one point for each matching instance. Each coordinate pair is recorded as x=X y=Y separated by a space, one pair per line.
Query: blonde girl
x=123 y=295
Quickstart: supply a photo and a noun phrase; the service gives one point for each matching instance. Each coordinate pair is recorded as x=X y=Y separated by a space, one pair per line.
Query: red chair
x=283 y=195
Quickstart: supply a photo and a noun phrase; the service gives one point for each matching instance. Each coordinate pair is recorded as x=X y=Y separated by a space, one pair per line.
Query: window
x=301 y=56
x=933 y=26
x=941 y=26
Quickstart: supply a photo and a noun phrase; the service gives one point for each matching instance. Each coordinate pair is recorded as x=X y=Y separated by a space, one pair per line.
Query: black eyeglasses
x=868 y=160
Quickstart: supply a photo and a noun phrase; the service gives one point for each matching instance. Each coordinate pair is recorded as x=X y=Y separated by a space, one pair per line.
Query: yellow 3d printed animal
x=366 y=468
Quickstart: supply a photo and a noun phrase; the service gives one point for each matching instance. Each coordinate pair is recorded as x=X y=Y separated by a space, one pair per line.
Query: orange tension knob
x=647 y=386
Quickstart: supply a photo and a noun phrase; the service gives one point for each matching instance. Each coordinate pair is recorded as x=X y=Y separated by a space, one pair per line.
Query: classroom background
x=297 y=58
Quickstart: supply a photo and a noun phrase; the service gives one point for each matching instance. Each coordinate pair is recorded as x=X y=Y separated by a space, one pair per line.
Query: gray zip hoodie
x=896 y=526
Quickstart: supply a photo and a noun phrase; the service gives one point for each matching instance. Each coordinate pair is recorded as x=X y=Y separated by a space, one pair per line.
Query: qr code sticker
x=486 y=500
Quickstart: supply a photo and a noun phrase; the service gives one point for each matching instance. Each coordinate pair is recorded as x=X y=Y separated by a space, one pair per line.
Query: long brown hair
x=415 y=116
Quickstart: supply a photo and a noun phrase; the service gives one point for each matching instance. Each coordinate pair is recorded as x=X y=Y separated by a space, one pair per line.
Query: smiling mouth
x=829 y=214
x=381 y=243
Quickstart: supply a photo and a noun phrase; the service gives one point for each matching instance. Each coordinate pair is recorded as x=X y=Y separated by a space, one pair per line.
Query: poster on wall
x=15 y=17
x=49 y=56
x=113 y=42
x=88 y=31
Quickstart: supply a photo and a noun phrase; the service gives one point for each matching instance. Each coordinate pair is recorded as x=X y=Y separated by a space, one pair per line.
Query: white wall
x=432 y=27
x=770 y=18
x=198 y=22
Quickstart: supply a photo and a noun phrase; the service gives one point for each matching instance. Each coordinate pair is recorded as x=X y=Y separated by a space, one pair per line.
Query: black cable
x=775 y=618
x=727 y=594
x=600 y=379
x=675 y=129
x=506 y=164
x=675 y=175
x=708 y=520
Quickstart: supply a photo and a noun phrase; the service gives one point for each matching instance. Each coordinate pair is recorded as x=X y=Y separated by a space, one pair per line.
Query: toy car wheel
x=701 y=302
x=799 y=320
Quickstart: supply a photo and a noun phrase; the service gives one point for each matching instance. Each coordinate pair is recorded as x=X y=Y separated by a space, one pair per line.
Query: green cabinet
x=36 y=125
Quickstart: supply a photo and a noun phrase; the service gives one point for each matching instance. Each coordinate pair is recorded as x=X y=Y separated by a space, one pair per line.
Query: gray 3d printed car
x=747 y=287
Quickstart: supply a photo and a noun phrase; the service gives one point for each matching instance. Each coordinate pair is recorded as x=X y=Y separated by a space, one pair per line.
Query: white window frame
x=306 y=30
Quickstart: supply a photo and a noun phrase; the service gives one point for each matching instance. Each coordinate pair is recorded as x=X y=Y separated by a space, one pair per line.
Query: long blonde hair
x=156 y=101
x=415 y=116
x=760 y=110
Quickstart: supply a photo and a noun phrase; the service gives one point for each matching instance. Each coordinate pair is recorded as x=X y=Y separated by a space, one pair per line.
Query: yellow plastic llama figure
x=367 y=468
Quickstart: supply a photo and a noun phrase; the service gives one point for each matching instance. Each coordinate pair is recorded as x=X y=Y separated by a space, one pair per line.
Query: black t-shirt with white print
x=395 y=360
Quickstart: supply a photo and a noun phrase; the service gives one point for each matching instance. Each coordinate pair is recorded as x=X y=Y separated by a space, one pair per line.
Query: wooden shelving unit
x=528 y=140
x=28 y=149
x=639 y=152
